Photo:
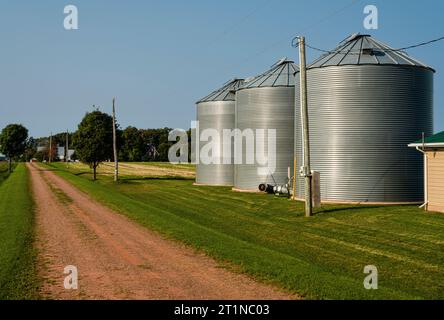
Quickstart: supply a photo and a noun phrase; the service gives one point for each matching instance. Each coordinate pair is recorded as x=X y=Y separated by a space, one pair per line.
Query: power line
x=311 y=26
x=241 y=21
x=420 y=44
x=381 y=50
x=334 y=13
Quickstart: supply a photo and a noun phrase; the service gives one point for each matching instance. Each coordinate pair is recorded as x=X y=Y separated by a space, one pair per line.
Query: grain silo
x=366 y=102
x=263 y=103
x=216 y=111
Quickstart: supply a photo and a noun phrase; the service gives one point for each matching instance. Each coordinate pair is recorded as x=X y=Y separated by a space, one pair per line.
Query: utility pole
x=66 y=147
x=116 y=161
x=295 y=170
x=50 y=148
x=306 y=170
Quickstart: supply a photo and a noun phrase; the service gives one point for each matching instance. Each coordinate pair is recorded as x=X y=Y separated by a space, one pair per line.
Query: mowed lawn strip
x=4 y=171
x=17 y=265
x=269 y=238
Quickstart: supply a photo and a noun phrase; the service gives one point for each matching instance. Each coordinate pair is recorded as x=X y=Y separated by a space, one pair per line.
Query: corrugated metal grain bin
x=267 y=102
x=216 y=111
x=366 y=102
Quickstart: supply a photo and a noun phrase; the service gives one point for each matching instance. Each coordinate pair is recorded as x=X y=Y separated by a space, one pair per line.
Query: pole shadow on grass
x=157 y=178
x=78 y=174
x=347 y=209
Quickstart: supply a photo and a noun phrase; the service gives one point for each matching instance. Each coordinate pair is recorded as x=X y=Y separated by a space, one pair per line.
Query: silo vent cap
x=281 y=61
x=225 y=93
x=281 y=74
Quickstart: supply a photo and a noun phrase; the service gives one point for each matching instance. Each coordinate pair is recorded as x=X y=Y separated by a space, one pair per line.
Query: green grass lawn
x=17 y=264
x=268 y=237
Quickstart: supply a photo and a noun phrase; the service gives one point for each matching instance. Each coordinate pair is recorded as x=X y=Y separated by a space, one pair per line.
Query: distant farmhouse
x=61 y=153
x=433 y=150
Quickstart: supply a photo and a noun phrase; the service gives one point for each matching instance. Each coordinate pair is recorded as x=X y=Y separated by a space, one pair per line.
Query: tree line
x=92 y=142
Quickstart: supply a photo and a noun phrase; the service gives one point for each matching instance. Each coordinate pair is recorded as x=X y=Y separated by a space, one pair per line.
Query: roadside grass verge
x=4 y=170
x=269 y=238
x=18 y=278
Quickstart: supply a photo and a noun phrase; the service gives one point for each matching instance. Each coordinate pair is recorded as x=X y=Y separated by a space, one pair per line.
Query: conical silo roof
x=226 y=93
x=359 y=49
x=281 y=74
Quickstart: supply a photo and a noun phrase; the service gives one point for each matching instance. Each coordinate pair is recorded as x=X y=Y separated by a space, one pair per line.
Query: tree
x=60 y=139
x=93 y=140
x=133 y=147
x=41 y=155
x=44 y=154
x=159 y=139
x=13 y=140
x=31 y=149
x=51 y=154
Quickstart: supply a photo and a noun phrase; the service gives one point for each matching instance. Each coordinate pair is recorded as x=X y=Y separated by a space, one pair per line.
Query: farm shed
x=433 y=151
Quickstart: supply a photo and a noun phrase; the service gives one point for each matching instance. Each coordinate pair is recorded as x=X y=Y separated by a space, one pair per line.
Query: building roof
x=281 y=74
x=225 y=93
x=361 y=49
x=436 y=140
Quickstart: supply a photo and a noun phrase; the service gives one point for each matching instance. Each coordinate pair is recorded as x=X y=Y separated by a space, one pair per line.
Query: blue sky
x=159 y=57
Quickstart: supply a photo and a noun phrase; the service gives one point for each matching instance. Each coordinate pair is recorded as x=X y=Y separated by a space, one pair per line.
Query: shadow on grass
x=346 y=209
x=157 y=178
x=82 y=173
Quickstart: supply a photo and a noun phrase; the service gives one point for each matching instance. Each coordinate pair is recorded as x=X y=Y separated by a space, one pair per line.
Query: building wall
x=436 y=180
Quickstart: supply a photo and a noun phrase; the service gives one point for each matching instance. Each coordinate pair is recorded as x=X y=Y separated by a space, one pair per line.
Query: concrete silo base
x=366 y=203
x=245 y=191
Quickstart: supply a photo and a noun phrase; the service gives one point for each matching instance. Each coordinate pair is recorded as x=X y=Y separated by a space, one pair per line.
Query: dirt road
x=118 y=259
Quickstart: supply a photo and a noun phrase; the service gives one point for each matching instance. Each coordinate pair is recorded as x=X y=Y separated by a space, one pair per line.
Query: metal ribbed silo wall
x=266 y=108
x=361 y=120
x=217 y=115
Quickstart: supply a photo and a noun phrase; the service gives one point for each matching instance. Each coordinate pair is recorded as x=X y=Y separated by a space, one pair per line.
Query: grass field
x=17 y=273
x=142 y=170
x=268 y=237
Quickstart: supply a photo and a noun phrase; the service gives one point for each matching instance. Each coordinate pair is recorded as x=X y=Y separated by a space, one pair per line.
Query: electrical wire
x=311 y=26
x=420 y=44
x=237 y=25
x=382 y=50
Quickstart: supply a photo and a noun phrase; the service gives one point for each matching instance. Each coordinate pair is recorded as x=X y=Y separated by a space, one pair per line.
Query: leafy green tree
x=31 y=149
x=93 y=140
x=133 y=147
x=13 y=139
x=60 y=139
x=41 y=155
x=158 y=138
